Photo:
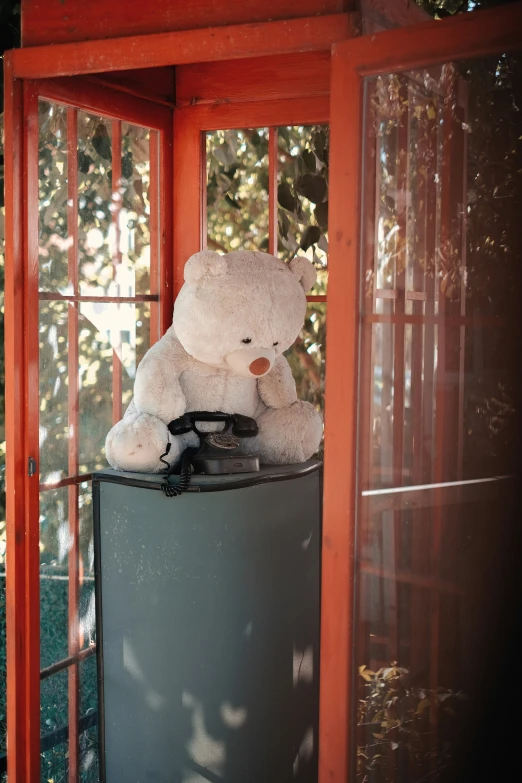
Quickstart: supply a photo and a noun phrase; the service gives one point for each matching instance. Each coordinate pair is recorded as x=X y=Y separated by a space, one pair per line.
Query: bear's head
x=242 y=310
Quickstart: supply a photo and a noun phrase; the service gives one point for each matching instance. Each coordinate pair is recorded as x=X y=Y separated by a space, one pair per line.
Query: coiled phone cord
x=173 y=490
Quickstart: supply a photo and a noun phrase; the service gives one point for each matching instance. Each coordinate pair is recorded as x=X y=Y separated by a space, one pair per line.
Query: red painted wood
x=158 y=85
x=66 y=482
x=203 y=179
x=261 y=78
x=369 y=208
x=188 y=188
x=422 y=358
x=434 y=318
x=22 y=705
x=398 y=354
x=57 y=297
x=117 y=369
x=178 y=48
x=55 y=21
x=65 y=663
x=340 y=424
x=273 y=228
x=460 y=196
x=166 y=187
x=298 y=111
x=73 y=415
x=412 y=578
x=86 y=95
x=22 y=358
x=472 y=35
x=190 y=123
x=31 y=400
x=155 y=239
x=26 y=709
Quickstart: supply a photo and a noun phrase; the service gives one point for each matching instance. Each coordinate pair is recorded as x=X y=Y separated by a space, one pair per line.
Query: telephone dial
x=218 y=453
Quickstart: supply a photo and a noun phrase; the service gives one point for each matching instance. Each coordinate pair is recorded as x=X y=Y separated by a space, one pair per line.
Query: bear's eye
x=274 y=344
x=247 y=340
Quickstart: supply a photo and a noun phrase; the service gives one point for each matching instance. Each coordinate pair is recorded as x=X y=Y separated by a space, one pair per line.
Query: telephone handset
x=218 y=452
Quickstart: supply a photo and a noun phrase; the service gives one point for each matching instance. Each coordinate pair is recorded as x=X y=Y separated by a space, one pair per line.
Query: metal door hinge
x=31 y=466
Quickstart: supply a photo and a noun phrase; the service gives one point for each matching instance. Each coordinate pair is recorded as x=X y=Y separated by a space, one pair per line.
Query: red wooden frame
x=20 y=707
x=190 y=125
x=22 y=394
x=186 y=46
x=466 y=36
x=50 y=23
x=278 y=77
x=471 y=35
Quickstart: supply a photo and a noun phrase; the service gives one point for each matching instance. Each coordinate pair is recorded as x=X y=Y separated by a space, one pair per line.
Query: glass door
x=427 y=188
x=437 y=404
x=95 y=277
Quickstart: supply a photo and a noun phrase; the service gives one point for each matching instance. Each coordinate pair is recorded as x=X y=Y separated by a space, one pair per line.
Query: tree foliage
x=396 y=727
x=238 y=216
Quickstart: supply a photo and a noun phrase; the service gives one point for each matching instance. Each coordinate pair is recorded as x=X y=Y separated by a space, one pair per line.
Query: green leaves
x=320 y=145
x=313 y=187
x=101 y=142
x=84 y=162
x=311 y=235
x=303 y=191
x=225 y=154
x=126 y=165
x=309 y=160
x=285 y=197
x=394 y=717
x=321 y=215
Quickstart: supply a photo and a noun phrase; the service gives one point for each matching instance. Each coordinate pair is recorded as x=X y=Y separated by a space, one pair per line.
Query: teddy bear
x=234 y=318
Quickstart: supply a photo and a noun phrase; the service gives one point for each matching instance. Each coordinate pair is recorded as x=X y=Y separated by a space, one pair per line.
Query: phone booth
x=386 y=146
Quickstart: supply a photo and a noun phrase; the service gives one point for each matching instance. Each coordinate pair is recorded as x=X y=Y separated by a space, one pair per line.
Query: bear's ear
x=305 y=272
x=206 y=263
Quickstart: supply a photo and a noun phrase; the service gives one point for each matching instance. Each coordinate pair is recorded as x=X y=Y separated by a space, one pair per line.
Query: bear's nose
x=259 y=366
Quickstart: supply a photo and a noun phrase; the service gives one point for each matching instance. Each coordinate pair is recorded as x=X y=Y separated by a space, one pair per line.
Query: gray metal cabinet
x=208 y=627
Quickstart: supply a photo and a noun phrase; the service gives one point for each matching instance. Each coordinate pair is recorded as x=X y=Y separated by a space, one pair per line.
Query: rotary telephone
x=218 y=453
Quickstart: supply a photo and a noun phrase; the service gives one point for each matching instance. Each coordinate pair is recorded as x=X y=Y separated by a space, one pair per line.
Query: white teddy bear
x=233 y=319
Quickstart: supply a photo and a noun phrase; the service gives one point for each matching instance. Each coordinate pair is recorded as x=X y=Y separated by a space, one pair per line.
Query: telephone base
x=240 y=463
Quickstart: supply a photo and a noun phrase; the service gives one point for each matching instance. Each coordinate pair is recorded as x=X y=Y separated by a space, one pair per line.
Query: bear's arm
x=277 y=388
x=157 y=390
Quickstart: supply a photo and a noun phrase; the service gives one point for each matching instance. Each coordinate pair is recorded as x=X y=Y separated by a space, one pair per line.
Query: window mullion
x=73 y=494
x=116 y=259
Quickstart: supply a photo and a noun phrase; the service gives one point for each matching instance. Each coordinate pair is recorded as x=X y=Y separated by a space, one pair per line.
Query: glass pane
x=303 y=156
x=96 y=204
x=108 y=333
x=54 y=386
x=117 y=256
x=437 y=411
x=237 y=189
x=113 y=218
x=55 y=543
x=52 y=186
x=237 y=217
x=86 y=597
x=307 y=356
x=54 y=747
x=89 y=721
x=134 y=346
x=135 y=212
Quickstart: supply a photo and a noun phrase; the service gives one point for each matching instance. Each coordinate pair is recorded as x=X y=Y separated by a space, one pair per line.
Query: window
x=437 y=410
x=267 y=189
x=98 y=314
